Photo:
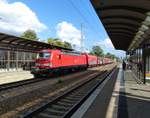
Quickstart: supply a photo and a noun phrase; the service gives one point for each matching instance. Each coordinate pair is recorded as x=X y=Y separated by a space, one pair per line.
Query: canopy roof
x=121 y=19
x=10 y=42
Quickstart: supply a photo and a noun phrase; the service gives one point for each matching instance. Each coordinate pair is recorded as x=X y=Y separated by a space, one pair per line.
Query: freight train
x=50 y=62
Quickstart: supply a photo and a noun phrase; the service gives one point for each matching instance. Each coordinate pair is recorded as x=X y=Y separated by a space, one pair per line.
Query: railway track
x=22 y=83
x=19 y=83
x=65 y=105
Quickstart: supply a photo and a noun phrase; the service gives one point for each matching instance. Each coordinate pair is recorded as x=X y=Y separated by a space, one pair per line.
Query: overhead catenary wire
x=88 y=11
x=83 y=17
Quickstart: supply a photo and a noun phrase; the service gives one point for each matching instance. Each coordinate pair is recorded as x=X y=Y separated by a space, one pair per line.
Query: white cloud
x=16 y=17
x=107 y=46
x=67 y=32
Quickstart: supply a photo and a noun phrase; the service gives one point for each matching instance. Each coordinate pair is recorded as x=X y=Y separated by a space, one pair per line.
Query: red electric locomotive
x=51 y=61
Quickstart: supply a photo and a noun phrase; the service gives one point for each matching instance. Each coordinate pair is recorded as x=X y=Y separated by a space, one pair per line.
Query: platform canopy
x=9 y=42
x=122 y=19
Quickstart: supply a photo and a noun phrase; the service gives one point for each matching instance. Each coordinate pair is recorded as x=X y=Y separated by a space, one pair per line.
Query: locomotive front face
x=43 y=60
x=42 y=63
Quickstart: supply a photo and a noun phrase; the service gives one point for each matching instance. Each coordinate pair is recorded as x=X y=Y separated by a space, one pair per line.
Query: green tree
x=30 y=34
x=58 y=42
x=108 y=55
x=67 y=45
x=112 y=56
x=51 y=41
x=97 y=50
x=91 y=53
x=56 y=39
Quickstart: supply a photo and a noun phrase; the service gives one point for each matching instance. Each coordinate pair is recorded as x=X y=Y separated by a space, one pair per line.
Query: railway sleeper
x=74 y=97
x=82 y=94
x=88 y=88
x=58 y=107
x=52 y=111
x=65 y=104
x=45 y=115
x=77 y=94
x=68 y=101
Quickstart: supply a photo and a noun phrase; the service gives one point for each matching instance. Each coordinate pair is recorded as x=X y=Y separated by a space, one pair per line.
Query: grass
x=60 y=80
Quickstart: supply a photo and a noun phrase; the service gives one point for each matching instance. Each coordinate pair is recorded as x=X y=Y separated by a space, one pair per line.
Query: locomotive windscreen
x=44 y=55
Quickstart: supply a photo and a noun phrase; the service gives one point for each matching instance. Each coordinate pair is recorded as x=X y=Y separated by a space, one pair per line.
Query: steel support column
x=8 y=60
x=144 y=64
x=16 y=60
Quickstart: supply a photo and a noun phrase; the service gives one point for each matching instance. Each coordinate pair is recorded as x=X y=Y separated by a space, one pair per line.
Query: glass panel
x=18 y=60
x=44 y=55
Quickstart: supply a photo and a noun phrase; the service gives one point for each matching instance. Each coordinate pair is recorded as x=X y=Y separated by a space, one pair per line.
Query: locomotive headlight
x=47 y=64
x=50 y=64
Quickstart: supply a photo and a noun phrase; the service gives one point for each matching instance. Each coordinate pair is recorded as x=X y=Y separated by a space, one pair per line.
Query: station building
x=127 y=23
x=18 y=53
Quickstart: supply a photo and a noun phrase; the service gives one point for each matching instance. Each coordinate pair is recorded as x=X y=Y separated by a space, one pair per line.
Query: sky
x=63 y=19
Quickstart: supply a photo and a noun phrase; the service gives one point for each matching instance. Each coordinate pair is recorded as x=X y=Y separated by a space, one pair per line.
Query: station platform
x=123 y=97
x=13 y=76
